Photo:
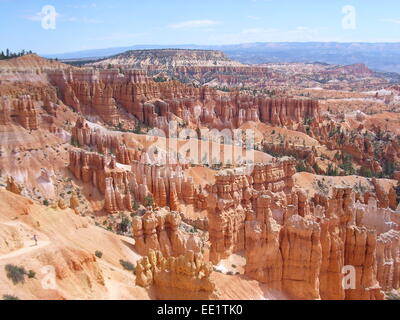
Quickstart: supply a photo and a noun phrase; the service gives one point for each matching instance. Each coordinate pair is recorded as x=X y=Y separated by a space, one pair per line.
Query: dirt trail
x=25 y=250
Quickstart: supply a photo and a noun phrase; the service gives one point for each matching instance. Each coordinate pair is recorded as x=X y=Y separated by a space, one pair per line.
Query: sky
x=71 y=25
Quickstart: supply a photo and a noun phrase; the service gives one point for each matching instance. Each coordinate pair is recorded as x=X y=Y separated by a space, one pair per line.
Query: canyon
x=103 y=159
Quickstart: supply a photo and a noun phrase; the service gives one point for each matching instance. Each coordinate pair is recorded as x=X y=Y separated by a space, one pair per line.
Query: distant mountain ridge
x=377 y=56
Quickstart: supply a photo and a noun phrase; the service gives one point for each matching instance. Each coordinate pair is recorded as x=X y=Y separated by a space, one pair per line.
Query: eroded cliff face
x=161 y=231
x=103 y=173
x=22 y=109
x=388 y=260
x=299 y=246
x=291 y=243
x=371 y=149
x=104 y=142
x=155 y=104
x=186 y=277
x=232 y=199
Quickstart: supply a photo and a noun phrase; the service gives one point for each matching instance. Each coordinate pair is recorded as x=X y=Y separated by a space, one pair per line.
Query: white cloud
x=253 y=18
x=83 y=6
x=63 y=18
x=193 y=24
x=396 y=21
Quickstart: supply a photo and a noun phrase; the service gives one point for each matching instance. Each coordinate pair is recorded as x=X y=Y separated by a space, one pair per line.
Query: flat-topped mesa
x=161 y=231
x=199 y=66
x=22 y=109
x=164 y=59
x=183 y=278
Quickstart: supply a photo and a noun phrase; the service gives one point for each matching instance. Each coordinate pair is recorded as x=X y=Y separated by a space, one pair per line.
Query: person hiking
x=35 y=239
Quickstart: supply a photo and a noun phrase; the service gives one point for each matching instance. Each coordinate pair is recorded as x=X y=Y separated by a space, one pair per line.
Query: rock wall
x=161 y=231
x=104 y=142
x=22 y=109
x=232 y=199
x=155 y=104
x=92 y=92
x=388 y=260
x=103 y=173
x=186 y=277
x=165 y=186
x=301 y=246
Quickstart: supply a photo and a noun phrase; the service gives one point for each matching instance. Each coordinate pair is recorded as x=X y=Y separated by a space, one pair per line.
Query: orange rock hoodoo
x=185 y=277
x=121 y=185
x=103 y=173
x=161 y=231
x=154 y=104
x=105 y=143
x=301 y=247
x=22 y=109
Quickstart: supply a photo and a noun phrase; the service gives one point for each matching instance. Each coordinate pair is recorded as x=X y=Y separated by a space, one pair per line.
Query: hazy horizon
x=98 y=24
x=179 y=46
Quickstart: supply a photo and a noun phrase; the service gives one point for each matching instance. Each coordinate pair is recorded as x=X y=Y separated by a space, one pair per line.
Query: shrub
x=135 y=205
x=128 y=266
x=365 y=172
x=234 y=266
x=15 y=274
x=9 y=297
x=148 y=201
x=98 y=254
x=46 y=202
x=333 y=172
x=125 y=224
x=31 y=274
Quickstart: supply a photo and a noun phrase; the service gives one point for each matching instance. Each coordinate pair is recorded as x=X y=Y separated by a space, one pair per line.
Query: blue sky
x=94 y=24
